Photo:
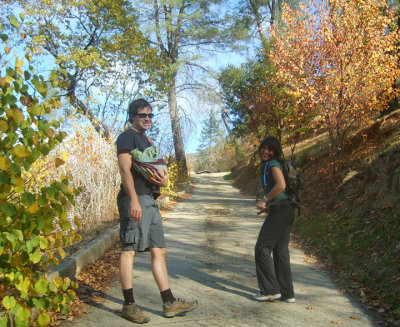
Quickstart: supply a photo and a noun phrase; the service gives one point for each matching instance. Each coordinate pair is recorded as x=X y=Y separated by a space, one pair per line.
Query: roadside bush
x=92 y=161
x=33 y=218
x=177 y=178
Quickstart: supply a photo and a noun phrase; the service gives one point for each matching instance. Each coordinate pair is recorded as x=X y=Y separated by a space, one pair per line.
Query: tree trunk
x=175 y=125
x=228 y=129
x=99 y=126
x=255 y=8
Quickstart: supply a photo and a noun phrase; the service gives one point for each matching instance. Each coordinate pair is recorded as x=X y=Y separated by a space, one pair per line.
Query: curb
x=73 y=265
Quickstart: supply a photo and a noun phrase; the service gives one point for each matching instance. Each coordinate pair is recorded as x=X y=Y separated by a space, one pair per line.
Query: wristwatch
x=265 y=199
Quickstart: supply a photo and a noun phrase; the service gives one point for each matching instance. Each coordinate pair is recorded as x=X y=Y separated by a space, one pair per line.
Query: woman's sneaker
x=177 y=307
x=260 y=297
x=134 y=313
x=289 y=300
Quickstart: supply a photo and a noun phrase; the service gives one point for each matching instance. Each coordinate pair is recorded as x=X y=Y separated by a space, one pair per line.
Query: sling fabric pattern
x=148 y=167
x=148 y=162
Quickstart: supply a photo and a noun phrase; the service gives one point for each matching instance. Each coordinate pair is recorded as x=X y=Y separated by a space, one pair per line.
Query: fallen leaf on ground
x=310 y=307
x=235 y=310
x=335 y=322
x=354 y=317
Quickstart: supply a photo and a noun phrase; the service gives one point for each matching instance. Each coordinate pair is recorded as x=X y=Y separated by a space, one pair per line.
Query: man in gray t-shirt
x=140 y=220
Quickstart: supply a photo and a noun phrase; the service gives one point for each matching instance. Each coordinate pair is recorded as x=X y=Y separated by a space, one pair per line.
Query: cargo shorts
x=144 y=234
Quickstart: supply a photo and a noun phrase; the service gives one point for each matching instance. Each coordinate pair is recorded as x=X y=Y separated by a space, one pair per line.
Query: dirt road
x=210 y=257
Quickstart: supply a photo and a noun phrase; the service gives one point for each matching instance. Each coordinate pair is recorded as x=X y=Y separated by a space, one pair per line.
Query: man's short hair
x=135 y=105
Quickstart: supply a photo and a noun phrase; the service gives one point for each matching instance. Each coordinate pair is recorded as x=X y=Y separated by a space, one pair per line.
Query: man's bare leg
x=126 y=269
x=159 y=268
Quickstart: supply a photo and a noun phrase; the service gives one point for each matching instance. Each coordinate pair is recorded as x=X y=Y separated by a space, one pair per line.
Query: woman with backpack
x=274 y=275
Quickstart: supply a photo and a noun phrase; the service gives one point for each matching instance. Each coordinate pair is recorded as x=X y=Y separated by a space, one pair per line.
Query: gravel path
x=210 y=256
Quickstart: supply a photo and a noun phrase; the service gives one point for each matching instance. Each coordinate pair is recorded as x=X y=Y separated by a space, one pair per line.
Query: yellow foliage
x=33 y=208
x=177 y=177
x=333 y=56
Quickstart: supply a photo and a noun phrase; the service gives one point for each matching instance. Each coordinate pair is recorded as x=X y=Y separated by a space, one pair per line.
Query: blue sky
x=217 y=62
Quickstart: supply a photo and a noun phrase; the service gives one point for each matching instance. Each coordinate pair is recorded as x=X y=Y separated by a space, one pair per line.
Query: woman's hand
x=261 y=204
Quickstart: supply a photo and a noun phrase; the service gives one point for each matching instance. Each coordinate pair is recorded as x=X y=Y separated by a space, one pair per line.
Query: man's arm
x=125 y=164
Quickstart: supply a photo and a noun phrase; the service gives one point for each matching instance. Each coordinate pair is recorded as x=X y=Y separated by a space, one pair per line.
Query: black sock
x=167 y=296
x=128 y=296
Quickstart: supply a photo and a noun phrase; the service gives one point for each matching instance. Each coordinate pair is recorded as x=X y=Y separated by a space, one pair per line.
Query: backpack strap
x=265 y=173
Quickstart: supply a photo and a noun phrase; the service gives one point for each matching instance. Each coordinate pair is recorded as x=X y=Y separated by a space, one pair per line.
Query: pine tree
x=210 y=135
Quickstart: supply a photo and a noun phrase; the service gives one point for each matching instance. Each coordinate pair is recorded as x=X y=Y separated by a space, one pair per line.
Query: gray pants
x=274 y=274
x=143 y=234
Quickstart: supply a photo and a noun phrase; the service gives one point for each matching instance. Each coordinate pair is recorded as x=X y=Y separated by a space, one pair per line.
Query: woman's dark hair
x=135 y=105
x=273 y=144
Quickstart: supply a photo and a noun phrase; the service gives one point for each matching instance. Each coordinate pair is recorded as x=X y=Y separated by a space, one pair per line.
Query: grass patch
x=308 y=150
x=228 y=177
x=367 y=248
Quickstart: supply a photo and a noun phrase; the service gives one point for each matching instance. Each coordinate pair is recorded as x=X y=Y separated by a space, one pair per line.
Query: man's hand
x=136 y=210
x=160 y=178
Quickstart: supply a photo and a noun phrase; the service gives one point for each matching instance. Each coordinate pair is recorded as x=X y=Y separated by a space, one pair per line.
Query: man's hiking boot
x=177 y=307
x=260 y=297
x=134 y=313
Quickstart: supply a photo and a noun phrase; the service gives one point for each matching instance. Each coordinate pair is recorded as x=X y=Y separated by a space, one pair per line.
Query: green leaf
x=43 y=243
x=9 y=302
x=10 y=277
x=41 y=286
x=42 y=200
x=58 y=298
x=35 y=240
x=15 y=169
x=10 y=237
x=27 y=75
x=18 y=234
x=14 y=21
x=22 y=16
x=22 y=284
x=64 y=309
x=4 y=37
x=3 y=321
x=65 y=225
x=22 y=317
x=45 y=149
x=29 y=246
x=39 y=303
x=27 y=199
x=9 y=209
x=43 y=319
x=24 y=258
x=35 y=257
x=52 y=287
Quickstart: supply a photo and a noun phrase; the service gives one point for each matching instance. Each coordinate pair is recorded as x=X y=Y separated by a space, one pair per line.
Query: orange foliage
x=274 y=111
x=338 y=59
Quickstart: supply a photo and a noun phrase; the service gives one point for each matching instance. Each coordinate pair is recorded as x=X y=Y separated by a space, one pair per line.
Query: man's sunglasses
x=145 y=115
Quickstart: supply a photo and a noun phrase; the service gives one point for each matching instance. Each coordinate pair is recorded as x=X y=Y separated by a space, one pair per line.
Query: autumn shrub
x=91 y=160
x=346 y=62
x=33 y=220
x=227 y=154
x=93 y=163
x=178 y=179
